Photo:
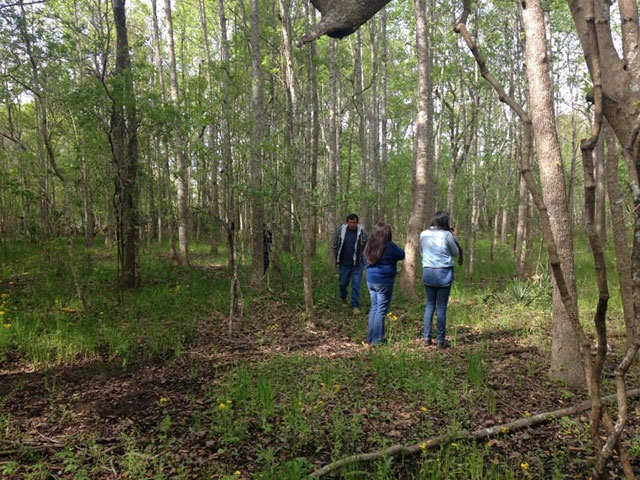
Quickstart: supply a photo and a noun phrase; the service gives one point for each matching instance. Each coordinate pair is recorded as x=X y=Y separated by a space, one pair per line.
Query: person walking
x=438 y=247
x=267 y=240
x=380 y=257
x=348 y=245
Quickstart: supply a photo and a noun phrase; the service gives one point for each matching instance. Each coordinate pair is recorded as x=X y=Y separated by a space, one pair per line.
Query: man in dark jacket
x=348 y=245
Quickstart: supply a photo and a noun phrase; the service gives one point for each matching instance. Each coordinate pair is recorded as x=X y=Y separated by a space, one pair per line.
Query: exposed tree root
x=399 y=449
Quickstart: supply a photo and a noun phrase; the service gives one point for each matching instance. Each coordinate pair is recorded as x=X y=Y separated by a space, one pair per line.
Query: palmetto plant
x=520 y=291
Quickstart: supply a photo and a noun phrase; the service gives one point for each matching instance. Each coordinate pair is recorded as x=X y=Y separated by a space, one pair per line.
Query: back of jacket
x=385 y=270
x=438 y=248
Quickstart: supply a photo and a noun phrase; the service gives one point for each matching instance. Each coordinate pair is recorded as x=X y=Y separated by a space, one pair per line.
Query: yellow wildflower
x=237 y=473
x=163 y=400
x=454 y=445
x=336 y=388
x=527 y=413
x=6 y=325
x=1 y=313
x=229 y=402
x=504 y=429
x=423 y=445
x=222 y=406
x=423 y=409
x=524 y=466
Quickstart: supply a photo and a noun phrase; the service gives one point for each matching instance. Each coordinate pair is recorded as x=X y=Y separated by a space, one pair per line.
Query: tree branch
x=414 y=449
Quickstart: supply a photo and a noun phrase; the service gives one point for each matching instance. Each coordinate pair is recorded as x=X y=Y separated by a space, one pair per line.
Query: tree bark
x=299 y=189
x=163 y=149
x=257 y=203
x=600 y=205
x=211 y=141
x=620 y=233
x=124 y=126
x=384 y=149
x=179 y=146
x=566 y=363
x=333 y=154
x=364 y=213
x=418 y=213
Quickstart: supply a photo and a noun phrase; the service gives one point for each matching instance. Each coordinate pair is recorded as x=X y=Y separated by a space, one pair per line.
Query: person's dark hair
x=377 y=243
x=441 y=221
x=353 y=216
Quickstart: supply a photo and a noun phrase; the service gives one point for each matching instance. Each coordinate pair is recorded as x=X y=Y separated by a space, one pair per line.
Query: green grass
x=290 y=409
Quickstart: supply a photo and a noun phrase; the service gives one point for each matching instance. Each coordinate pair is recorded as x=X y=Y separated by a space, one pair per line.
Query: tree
x=565 y=350
x=124 y=144
x=593 y=368
x=299 y=190
x=179 y=147
x=418 y=210
x=257 y=207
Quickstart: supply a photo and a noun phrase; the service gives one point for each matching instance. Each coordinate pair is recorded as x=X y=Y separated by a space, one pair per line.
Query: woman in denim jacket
x=438 y=247
x=380 y=257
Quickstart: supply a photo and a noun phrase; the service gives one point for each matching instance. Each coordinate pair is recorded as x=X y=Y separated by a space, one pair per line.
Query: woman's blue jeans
x=380 y=301
x=437 y=299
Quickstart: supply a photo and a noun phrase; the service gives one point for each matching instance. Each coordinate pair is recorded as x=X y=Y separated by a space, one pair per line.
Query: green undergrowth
x=44 y=323
x=288 y=413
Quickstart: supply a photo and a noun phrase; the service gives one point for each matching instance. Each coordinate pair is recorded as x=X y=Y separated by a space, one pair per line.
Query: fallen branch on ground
x=399 y=449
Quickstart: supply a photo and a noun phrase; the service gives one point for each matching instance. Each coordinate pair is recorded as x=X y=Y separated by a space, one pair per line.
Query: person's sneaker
x=428 y=342
x=355 y=311
x=343 y=300
x=445 y=344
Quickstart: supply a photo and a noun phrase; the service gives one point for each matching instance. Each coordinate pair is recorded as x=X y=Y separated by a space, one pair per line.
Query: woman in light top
x=380 y=257
x=438 y=247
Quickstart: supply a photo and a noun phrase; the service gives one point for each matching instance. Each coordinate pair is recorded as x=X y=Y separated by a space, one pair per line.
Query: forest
x=193 y=191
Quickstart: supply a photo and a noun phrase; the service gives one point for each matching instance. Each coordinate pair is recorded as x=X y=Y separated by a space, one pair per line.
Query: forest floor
x=281 y=397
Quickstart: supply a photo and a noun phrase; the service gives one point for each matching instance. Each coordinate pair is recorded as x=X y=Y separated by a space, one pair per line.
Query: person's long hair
x=440 y=220
x=377 y=243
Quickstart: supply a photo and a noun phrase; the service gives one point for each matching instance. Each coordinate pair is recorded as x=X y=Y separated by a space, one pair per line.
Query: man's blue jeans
x=437 y=299
x=353 y=273
x=380 y=301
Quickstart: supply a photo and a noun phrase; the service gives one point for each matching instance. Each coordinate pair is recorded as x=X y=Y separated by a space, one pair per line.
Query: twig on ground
x=519 y=424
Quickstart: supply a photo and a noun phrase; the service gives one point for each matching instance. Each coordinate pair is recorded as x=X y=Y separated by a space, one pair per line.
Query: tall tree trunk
x=300 y=193
x=523 y=226
x=475 y=200
x=314 y=103
x=384 y=149
x=179 y=147
x=159 y=188
x=374 y=124
x=600 y=205
x=211 y=141
x=257 y=203
x=432 y=179
x=163 y=159
x=620 y=233
x=566 y=362
x=151 y=215
x=418 y=213
x=332 y=174
x=231 y=222
x=87 y=203
x=365 y=216
x=124 y=125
